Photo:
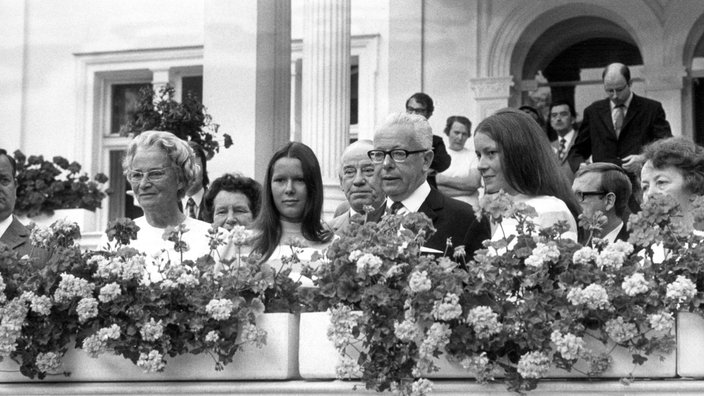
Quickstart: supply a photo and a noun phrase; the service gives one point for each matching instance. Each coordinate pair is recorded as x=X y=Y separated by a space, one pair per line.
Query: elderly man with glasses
x=403 y=151
x=615 y=129
x=604 y=187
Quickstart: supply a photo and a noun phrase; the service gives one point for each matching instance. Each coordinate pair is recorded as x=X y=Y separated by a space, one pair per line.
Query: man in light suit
x=562 y=117
x=615 y=129
x=359 y=180
x=13 y=233
x=403 y=150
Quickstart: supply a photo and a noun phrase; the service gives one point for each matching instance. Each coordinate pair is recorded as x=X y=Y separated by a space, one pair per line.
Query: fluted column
x=326 y=81
x=491 y=94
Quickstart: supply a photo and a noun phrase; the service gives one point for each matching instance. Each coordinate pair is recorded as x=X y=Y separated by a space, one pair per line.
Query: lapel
x=568 y=145
x=15 y=235
x=432 y=205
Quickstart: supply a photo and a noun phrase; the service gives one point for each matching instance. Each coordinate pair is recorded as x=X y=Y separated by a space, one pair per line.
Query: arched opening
x=696 y=73
x=571 y=55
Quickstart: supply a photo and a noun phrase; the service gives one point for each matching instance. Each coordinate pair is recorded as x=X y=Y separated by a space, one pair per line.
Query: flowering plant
x=123 y=302
x=44 y=186
x=189 y=120
x=533 y=301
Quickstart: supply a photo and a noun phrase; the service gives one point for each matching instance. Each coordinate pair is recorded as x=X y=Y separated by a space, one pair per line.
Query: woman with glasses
x=161 y=167
x=461 y=180
x=292 y=204
x=516 y=157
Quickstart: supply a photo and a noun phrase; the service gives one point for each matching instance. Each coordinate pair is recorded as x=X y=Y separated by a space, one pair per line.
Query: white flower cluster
x=109 y=292
x=635 y=284
x=12 y=316
x=437 y=337
x=152 y=362
x=252 y=333
x=533 y=365
x=347 y=367
x=543 y=253
x=447 y=309
x=342 y=324
x=71 y=287
x=593 y=296
x=87 y=308
x=212 y=336
x=117 y=267
x=480 y=366
x=355 y=255
x=682 y=289
x=152 y=330
x=40 y=236
x=369 y=263
x=188 y=280
x=97 y=343
x=48 y=362
x=569 y=346
x=484 y=321
x=419 y=282
x=407 y=330
x=620 y=331
x=614 y=254
x=41 y=305
x=395 y=270
x=663 y=321
x=421 y=387
x=239 y=235
x=585 y=255
x=220 y=308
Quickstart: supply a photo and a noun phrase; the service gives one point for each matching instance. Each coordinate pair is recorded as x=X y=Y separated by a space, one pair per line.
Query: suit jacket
x=17 y=238
x=565 y=167
x=644 y=123
x=441 y=160
x=453 y=219
x=340 y=223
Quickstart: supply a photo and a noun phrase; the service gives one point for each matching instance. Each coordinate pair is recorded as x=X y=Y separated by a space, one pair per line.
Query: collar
x=197 y=197
x=611 y=237
x=415 y=200
x=5 y=224
x=568 y=136
x=612 y=106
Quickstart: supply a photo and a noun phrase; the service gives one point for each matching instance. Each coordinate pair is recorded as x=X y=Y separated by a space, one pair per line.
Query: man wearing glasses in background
x=605 y=188
x=403 y=151
x=615 y=129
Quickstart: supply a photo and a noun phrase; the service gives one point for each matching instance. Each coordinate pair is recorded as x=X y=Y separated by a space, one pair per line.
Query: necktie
x=395 y=207
x=561 y=151
x=618 y=118
x=191 y=208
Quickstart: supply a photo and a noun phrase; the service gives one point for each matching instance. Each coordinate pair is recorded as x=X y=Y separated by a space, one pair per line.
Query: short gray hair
x=423 y=133
x=180 y=154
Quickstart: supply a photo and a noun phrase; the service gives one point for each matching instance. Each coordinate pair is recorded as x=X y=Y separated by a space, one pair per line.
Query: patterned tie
x=561 y=151
x=395 y=207
x=618 y=118
x=191 y=207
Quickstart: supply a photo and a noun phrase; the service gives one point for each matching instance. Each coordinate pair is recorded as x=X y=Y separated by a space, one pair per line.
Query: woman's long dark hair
x=528 y=161
x=268 y=223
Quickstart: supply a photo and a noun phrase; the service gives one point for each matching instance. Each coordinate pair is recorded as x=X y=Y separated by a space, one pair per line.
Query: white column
x=246 y=80
x=665 y=85
x=491 y=94
x=13 y=72
x=326 y=81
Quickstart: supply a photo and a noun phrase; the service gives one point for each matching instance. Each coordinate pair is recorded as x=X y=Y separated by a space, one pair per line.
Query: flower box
x=317 y=357
x=690 y=344
x=274 y=361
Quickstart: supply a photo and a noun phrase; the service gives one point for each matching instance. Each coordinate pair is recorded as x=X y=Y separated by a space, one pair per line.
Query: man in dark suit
x=604 y=187
x=13 y=233
x=615 y=129
x=403 y=150
x=192 y=203
x=359 y=180
x=562 y=117
x=422 y=104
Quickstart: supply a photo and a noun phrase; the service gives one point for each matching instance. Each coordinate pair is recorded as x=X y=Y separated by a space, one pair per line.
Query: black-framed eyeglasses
x=398 y=155
x=136 y=177
x=581 y=194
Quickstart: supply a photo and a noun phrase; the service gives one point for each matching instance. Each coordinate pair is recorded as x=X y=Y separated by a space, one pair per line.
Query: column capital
x=492 y=87
x=664 y=78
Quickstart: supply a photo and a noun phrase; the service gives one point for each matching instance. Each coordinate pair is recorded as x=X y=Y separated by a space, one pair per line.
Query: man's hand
x=633 y=162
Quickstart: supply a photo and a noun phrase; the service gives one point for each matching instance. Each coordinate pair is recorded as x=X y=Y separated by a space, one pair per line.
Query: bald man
x=615 y=129
x=359 y=180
